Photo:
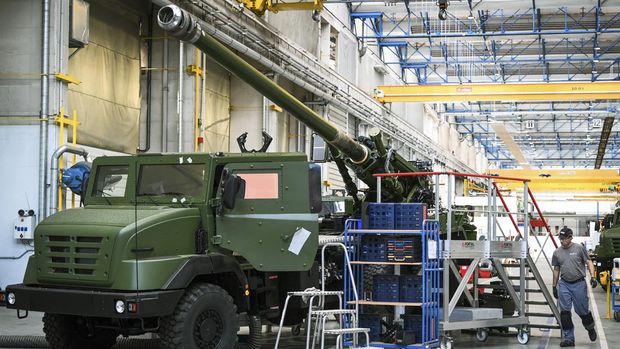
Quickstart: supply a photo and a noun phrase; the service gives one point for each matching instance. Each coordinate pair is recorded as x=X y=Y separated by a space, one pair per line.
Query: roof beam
x=560 y=91
x=513 y=147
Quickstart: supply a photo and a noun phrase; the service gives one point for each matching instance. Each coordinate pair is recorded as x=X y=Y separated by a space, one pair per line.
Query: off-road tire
x=64 y=332
x=206 y=317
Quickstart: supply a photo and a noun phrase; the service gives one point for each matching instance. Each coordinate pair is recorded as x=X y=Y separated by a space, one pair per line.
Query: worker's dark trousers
x=576 y=295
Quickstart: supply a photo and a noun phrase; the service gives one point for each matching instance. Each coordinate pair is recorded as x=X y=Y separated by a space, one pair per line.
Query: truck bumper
x=93 y=303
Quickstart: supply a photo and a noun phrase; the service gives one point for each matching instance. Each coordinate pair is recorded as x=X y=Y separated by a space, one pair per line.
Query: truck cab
x=164 y=238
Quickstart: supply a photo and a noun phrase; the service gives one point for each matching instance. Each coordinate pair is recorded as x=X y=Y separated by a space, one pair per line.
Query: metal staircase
x=533 y=291
x=532 y=272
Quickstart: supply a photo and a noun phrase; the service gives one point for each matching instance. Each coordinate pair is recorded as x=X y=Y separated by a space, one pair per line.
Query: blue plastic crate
x=409 y=216
x=404 y=249
x=385 y=288
x=373 y=322
x=380 y=216
x=413 y=322
x=410 y=288
x=373 y=249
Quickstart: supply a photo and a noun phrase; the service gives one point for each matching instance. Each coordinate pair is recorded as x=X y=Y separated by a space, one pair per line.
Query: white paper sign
x=432 y=249
x=299 y=240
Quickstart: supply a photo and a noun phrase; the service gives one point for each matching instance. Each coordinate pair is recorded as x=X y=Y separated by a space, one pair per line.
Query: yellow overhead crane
x=562 y=180
x=564 y=91
x=260 y=6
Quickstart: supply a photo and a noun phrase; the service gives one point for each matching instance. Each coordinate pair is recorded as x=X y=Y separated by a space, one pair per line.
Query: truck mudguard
x=205 y=265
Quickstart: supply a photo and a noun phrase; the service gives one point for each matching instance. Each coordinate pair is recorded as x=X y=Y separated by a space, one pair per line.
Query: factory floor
x=608 y=329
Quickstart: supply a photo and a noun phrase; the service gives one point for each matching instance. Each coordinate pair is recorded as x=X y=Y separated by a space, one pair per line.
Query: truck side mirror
x=234 y=187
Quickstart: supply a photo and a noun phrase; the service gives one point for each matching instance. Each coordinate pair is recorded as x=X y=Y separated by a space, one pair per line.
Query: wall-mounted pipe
x=164 y=98
x=44 y=124
x=180 y=94
x=203 y=100
x=197 y=97
x=53 y=179
x=149 y=78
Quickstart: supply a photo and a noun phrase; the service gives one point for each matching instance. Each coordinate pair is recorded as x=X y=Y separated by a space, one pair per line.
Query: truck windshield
x=176 y=180
x=111 y=181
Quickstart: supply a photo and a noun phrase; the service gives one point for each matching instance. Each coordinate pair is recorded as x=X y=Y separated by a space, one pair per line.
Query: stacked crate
x=413 y=323
x=372 y=322
x=410 y=288
x=380 y=216
x=385 y=288
x=401 y=216
x=404 y=249
x=374 y=248
x=409 y=216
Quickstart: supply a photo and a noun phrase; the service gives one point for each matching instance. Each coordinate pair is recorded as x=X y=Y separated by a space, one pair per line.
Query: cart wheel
x=296 y=330
x=482 y=335
x=446 y=344
x=617 y=316
x=523 y=337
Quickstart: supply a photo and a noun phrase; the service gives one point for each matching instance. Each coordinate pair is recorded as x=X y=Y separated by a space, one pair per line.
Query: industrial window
x=261 y=185
x=111 y=181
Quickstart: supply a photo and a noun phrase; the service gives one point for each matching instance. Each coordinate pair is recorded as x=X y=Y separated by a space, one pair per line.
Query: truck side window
x=111 y=181
x=261 y=185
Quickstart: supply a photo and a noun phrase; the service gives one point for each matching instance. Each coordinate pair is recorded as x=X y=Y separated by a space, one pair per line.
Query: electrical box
x=24 y=227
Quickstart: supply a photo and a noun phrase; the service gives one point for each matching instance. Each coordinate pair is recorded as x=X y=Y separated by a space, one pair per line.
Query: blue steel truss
x=556 y=46
x=498 y=46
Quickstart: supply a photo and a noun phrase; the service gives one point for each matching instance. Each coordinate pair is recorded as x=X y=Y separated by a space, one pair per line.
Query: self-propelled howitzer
x=365 y=157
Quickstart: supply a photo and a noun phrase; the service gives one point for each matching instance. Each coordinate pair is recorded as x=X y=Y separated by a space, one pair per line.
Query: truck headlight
x=11 y=298
x=119 y=306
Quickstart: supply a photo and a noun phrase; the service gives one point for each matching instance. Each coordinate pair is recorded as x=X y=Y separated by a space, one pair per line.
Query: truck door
x=270 y=224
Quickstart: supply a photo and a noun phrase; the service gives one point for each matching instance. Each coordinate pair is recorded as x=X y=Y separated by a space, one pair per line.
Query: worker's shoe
x=567 y=343
x=592 y=334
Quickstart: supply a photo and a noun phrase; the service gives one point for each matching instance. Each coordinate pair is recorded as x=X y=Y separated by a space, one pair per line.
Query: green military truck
x=180 y=244
x=152 y=249
x=609 y=245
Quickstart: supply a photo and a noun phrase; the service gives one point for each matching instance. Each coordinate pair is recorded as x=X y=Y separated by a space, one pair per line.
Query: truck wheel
x=205 y=317
x=65 y=331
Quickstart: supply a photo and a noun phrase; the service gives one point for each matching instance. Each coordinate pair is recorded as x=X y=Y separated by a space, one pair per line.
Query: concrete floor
x=609 y=330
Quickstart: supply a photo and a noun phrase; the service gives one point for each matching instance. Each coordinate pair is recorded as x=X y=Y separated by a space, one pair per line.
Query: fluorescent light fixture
x=596 y=48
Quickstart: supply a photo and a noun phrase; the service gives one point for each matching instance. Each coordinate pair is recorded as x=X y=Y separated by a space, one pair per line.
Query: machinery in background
x=609 y=246
x=615 y=289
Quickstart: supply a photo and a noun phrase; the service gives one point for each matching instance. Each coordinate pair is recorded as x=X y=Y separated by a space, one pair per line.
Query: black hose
x=23 y=342
x=17 y=257
x=40 y=342
x=256 y=330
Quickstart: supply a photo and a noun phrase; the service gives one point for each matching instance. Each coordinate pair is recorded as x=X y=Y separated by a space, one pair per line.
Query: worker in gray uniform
x=569 y=286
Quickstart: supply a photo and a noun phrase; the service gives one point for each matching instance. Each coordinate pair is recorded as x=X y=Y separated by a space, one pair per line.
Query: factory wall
x=20 y=111
x=19 y=191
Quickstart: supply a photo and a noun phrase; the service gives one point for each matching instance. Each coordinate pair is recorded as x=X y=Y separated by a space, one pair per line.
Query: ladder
x=317 y=315
x=532 y=272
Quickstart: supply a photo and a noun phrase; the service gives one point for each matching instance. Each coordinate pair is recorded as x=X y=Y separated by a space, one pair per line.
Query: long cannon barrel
x=180 y=24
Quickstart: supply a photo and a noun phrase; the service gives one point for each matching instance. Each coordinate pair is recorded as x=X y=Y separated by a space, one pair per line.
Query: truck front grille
x=69 y=256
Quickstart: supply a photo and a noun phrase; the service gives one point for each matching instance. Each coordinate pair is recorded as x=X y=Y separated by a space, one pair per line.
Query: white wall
x=19 y=179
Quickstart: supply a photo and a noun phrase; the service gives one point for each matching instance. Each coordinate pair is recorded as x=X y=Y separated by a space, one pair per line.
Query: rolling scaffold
x=494 y=249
